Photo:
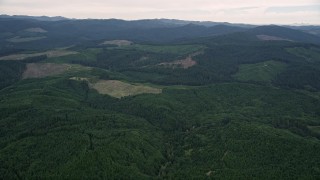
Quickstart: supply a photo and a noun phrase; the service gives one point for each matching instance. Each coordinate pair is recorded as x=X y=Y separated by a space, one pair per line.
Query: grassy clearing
x=183 y=63
x=271 y=38
x=117 y=88
x=315 y=129
x=36 y=30
x=310 y=54
x=313 y=94
x=120 y=89
x=174 y=49
x=259 y=72
x=86 y=55
x=51 y=53
x=18 y=39
x=40 y=70
x=118 y=42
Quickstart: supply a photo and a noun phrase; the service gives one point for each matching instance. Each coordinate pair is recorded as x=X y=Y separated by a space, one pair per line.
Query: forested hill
x=31 y=32
x=157 y=99
x=285 y=33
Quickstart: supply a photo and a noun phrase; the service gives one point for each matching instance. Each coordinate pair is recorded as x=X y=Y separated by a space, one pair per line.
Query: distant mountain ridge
x=39 y=18
x=171 y=22
x=60 y=31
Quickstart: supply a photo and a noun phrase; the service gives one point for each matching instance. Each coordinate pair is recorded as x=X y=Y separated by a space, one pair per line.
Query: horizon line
x=163 y=18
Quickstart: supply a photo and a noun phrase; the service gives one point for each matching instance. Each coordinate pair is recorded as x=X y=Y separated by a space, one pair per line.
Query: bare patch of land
x=118 y=43
x=80 y=79
x=224 y=155
x=51 y=53
x=36 y=30
x=209 y=173
x=39 y=70
x=120 y=89
x=60 y=52
x=19 y=39
x=271 y=38
x=183 y=63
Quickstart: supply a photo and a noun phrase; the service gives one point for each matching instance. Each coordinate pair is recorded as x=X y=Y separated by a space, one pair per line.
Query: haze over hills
x=39 y=18
x=70 y=31
x=158 y=99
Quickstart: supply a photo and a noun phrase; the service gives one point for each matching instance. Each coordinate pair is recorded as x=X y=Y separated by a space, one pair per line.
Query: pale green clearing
x=120 y=89
x=260 y=72
x=36 y=30
x=49 y=54
x=118 y=43
x=173 y=49
x=309 y=54
x=18 y=39
x=40 y=70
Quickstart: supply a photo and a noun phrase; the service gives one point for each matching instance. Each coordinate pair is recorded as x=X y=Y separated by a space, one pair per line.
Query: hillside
x=153 y=99
x=69 y=32
x=286 y=33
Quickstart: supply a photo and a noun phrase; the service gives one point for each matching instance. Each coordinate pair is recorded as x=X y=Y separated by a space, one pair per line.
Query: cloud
x=293 y=9
x=212 y=10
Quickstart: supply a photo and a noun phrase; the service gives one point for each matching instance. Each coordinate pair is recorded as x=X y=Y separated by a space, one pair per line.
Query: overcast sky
x=236 y=11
